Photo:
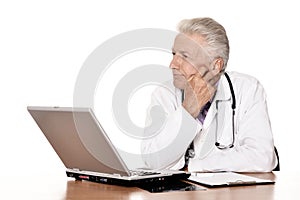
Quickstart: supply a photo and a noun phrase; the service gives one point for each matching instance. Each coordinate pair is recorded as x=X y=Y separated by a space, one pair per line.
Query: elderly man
x=213 y=120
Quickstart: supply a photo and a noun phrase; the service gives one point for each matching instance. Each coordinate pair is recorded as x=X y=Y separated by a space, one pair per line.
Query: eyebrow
x=181 y=51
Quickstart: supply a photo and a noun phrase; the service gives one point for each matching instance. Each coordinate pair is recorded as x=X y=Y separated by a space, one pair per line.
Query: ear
x=219 y=64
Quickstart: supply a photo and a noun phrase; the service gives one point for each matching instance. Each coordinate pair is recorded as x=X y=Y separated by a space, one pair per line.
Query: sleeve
x=254 y=147
x=169 y=131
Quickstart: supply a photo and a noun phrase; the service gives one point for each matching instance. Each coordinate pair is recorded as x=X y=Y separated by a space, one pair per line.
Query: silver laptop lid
x=78 y=139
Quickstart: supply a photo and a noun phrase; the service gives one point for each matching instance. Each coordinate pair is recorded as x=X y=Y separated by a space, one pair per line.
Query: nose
x=176 y=62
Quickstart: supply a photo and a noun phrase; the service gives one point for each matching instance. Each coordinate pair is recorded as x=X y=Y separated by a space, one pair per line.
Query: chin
x=179 y=84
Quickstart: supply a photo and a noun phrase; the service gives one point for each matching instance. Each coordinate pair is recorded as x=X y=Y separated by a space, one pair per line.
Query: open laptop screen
x=78 y=139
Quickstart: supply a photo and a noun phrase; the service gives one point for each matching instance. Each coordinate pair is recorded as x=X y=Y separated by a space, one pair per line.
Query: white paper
x=226 y=178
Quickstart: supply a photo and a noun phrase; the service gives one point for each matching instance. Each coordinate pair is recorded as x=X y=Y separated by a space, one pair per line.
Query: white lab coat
x=253 y=150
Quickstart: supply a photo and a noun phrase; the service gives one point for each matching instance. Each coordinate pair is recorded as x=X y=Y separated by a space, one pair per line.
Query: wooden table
x=33 y=187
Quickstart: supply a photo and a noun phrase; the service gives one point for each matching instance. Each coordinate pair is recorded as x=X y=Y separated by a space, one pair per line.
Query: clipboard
x=225 y=179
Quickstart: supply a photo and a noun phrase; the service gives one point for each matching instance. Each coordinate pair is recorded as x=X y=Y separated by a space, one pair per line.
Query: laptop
x=86 y=150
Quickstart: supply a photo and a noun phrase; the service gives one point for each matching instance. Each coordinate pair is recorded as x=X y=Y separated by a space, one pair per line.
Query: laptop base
x=129 y=183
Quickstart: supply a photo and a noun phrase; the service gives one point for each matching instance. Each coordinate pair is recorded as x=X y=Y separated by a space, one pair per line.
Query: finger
x=190 y=84
x=203 y=70
x=191 y=78
x=215 y=79
x=197 y=83
x=212 y=77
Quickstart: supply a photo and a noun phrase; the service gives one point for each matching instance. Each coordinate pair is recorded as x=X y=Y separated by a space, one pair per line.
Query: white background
x=44 y=44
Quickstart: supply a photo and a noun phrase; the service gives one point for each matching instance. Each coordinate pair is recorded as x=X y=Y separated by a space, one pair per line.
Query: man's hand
x=199 y=90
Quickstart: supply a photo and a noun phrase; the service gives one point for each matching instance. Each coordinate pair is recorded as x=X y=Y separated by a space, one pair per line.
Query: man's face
x=189 y=58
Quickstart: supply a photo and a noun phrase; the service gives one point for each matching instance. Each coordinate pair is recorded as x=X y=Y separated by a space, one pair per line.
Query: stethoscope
x=190 y=151
x=233 y=106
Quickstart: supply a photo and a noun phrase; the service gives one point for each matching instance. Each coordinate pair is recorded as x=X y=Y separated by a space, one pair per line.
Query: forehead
x=189 y=42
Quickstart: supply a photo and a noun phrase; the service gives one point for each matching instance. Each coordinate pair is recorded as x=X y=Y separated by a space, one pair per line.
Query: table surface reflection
x=60 y=187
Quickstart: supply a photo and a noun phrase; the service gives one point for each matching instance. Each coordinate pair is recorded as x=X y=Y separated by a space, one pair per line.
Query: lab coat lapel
x=210 y=115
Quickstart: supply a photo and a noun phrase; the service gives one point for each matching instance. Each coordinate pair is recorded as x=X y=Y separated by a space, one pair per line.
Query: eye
x=173 y=53
x=185 y=56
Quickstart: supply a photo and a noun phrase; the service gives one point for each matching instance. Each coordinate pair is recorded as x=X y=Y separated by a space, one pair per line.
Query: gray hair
x=213 y=33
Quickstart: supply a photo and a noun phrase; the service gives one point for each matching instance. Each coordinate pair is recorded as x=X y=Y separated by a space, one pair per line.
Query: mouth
x=178 y=75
